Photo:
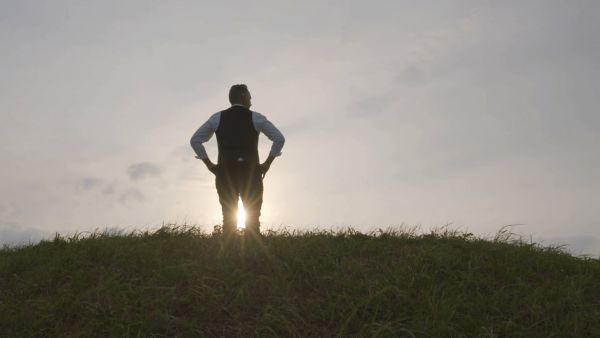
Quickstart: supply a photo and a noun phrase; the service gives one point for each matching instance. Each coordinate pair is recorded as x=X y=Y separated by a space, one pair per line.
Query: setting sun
x=241 y=215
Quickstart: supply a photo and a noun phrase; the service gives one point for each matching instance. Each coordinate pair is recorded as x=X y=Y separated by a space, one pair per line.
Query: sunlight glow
x=241 y=215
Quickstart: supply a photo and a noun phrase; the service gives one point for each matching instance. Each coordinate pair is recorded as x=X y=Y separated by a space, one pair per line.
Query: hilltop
x=179 y=281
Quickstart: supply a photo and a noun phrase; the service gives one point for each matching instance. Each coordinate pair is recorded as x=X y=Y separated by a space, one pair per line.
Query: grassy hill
x=178 y=281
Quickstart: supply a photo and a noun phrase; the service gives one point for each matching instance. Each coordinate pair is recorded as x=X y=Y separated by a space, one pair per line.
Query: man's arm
x=262 y=124
x=202 y=135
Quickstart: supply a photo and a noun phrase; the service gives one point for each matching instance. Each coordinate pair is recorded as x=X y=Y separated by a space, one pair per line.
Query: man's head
x=240 y=94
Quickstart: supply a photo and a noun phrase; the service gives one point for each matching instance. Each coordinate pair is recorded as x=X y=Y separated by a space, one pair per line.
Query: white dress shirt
x=261 y=124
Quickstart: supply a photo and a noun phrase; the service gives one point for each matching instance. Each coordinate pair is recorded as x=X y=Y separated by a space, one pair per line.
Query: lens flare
x=241 y=215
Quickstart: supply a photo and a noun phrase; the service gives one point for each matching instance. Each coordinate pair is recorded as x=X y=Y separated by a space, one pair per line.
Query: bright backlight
x=241 y=215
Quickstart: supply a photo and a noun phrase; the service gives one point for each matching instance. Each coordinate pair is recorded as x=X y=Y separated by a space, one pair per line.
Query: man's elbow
x=280 y=143
x=193 y=141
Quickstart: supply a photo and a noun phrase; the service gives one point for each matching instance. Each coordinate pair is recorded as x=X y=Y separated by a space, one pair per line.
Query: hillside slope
x=178 y=281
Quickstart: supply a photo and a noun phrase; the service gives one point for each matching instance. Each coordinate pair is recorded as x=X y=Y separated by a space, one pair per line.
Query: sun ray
x=241 y=215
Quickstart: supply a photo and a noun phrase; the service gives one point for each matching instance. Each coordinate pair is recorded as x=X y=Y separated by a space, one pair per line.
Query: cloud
x=88 y=183
x=138 y=171
x=479 y=112
x=578 y=245
x=13 y=234
x=132 y=194
x=110 y=188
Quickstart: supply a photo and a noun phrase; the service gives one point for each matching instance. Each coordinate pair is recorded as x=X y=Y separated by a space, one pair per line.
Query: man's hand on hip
x=266 y=166
x=210 y=166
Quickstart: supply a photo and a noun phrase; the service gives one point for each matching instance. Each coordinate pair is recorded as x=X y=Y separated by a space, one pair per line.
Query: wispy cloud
x=138 y=171
x=478 y=112
x=88 y=183
x=110 y=188
x=13 y=233
x=131 y=195
x=578 y=245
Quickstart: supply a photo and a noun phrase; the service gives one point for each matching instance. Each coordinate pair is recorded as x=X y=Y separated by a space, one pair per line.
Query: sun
x=241 y=215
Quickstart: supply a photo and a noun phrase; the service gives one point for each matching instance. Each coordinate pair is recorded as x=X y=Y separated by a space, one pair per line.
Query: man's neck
x=238 y=104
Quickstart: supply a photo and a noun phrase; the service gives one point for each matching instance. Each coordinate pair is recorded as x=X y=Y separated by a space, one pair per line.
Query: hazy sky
x=475 y=113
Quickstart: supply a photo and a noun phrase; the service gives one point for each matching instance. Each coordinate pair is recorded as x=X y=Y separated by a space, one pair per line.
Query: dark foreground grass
x=178 y=281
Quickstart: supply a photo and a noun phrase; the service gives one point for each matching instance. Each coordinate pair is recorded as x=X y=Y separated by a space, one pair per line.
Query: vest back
x=236 y=136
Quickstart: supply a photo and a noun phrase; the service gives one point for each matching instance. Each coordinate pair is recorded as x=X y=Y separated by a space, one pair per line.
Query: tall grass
x=180 y=281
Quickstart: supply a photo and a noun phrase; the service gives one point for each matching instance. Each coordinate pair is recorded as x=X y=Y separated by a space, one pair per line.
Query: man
x=238 y=170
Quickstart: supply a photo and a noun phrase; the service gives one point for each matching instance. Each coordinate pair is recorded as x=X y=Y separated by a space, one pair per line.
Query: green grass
x=178 y=281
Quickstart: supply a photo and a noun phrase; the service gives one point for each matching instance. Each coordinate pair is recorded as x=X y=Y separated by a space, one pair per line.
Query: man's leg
x=252 y=197
x=228 y=198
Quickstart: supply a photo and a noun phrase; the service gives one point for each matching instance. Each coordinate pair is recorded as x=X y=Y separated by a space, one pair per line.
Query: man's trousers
x=239 y=180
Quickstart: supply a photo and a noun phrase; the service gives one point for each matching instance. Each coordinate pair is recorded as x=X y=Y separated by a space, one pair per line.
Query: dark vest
x=236 y=136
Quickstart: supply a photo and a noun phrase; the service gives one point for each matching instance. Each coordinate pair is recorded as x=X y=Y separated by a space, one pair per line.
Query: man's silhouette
x=238 y=170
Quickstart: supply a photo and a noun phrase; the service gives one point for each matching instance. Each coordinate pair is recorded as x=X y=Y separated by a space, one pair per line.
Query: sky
x=472 y=114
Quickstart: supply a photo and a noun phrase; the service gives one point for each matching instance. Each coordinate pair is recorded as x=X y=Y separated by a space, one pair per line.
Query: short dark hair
x=236 y=92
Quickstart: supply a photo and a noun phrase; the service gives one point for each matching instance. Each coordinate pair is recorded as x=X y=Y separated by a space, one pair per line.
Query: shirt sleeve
x=203 y=134
x=263 y=125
